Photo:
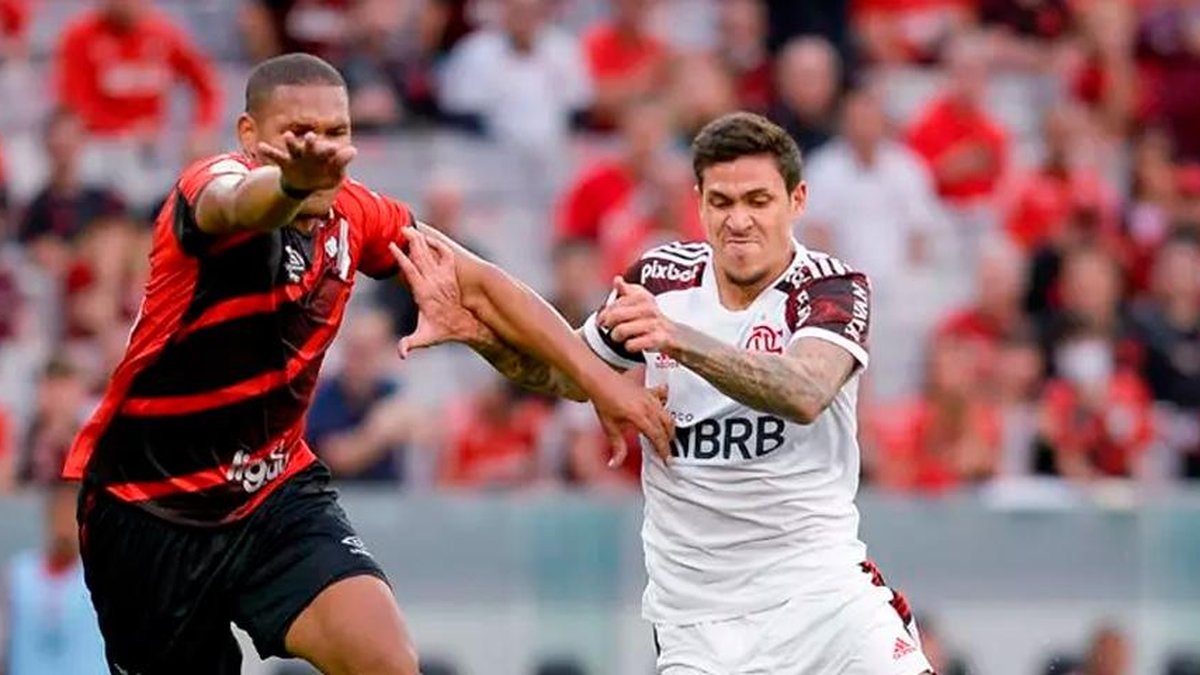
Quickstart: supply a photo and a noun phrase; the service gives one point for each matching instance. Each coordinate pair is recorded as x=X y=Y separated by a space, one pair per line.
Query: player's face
x=748 y=215
x=321 y=109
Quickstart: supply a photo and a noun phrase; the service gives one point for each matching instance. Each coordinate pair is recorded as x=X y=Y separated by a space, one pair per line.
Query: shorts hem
x=276 y=644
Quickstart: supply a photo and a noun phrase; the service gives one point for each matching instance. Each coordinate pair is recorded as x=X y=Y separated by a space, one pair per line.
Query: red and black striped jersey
x=205 y=413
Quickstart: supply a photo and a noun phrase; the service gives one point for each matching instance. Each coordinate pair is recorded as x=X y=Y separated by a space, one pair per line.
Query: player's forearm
x=523 y=369
x=527 y=323
x=257 y=202
x=771 y=383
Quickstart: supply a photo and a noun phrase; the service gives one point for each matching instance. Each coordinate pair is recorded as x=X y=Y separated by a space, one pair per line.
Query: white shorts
x=857 y=631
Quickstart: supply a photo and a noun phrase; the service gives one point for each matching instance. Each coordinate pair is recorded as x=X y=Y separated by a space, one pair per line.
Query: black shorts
x=165 y=594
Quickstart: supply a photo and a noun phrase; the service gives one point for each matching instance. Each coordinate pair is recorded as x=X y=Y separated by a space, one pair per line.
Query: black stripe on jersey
x=216 y=357
x=246 y=269
x=149 y=448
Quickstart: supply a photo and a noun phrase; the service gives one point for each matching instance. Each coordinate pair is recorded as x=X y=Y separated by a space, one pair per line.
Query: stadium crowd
x=1019 y=178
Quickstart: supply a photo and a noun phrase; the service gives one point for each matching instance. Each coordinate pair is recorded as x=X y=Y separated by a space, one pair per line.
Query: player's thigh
x=883 y=645
x=158 y=592
x=354 y=628
x=313 y=590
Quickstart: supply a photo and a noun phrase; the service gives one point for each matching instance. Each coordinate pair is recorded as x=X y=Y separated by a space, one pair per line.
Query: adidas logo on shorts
x=902 y=649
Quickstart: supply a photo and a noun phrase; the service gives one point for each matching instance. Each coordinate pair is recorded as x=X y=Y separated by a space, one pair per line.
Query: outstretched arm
x=444 y=276
x=523 y=369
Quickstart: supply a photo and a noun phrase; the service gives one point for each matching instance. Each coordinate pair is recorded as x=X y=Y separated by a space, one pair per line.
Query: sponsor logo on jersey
x=729 y=438
x=859 y=313
x=253 y=474
x=356 y=546
x=295 y=265
x=764 y=338
x=656 y=269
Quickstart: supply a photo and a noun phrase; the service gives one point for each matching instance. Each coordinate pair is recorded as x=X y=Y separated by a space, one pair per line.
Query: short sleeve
x=601 y=342
x=384 y=220
x=836 y=309
x=188 y=189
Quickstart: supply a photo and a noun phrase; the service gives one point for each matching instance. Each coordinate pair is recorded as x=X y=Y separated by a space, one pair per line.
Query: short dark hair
x=744 y=134
x=288 y=70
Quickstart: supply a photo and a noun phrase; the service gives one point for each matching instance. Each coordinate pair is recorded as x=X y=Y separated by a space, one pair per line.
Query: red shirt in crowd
x=923 y=451
x=593 y=194
x=916 y=28
x=495 y=452
x=945 y=127
x=1109 y=435
x=14 y=19
x=117 y=80
x=612 y=56
x=1042 y=203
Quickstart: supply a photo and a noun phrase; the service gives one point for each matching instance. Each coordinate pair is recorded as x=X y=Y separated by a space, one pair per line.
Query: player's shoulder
x=361 y=204
x=675 y=266
x=221 y=164
x=810 y=267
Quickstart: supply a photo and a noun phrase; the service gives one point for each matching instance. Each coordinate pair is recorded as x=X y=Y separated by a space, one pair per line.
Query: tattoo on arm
x=523 y=369
x=796 y=386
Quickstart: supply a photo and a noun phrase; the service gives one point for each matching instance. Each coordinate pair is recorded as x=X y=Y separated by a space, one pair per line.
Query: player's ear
x=799 y=197
x=247 y=131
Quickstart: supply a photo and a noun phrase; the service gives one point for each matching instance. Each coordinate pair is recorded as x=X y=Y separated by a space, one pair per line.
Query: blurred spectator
x=320 y=27
x=1086 y=294
x=51 y=626
x=8 y=458
x=495 y=444
x=808 y=76
x=1041 y=201
x=662 y=208
x=965 y=147
x=909 y=31
x=603 y=186
x=578 y=283
x=1026 y=33
x=5 y=218
x=359 y=425
x=14 y=23
x=575 y=449
x=62 y=404
x=1107 y=77
x=1168 y=326
x=1096 y=414
x=116 y=66
x=948 y=437
x=830 y=19
x=1153 y=192
x=1108 y=653
x=65 y=207
x=521 y=82
x=996 y=314
x=1019 y=374
x=870 y=199
x=700 y=91
x=626 y=60
x=1169 y=40
x=742 y=46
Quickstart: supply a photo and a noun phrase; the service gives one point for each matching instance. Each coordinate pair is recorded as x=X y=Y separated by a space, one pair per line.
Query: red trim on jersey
x=229 y=241
x=241 y=306
x=898 y=602
x=213 y=476
x=183 y=405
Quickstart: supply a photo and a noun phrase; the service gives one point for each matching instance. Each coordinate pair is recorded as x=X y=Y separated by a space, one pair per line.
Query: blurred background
x=1019 y=178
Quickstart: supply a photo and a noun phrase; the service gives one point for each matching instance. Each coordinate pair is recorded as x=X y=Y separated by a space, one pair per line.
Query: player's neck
x=736 y=297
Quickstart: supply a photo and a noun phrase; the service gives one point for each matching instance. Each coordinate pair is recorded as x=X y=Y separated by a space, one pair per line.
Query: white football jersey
x=753 y=510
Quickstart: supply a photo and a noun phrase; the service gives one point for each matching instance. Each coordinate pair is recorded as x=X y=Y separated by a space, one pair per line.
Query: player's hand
x=429 y=270
x=623 y=403
x=634 y=319
x=310 y=162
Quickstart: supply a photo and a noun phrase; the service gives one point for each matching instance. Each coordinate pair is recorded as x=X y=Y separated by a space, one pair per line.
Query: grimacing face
x=322 y=109
x=748 y=213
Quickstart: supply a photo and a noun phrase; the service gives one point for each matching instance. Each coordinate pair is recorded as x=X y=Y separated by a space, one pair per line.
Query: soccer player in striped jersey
x=201 y=503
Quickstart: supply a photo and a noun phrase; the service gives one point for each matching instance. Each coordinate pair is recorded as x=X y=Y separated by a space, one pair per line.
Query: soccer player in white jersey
x=750 y=533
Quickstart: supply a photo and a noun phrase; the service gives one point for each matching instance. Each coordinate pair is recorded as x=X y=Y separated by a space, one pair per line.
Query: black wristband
x=294 y=193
